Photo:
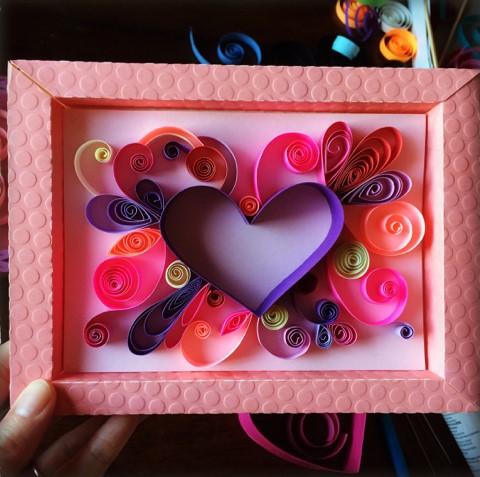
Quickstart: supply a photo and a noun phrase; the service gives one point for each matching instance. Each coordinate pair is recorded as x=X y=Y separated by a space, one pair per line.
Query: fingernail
x=33 y=399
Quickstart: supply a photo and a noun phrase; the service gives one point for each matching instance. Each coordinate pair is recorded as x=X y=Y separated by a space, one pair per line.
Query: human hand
x=88 y=449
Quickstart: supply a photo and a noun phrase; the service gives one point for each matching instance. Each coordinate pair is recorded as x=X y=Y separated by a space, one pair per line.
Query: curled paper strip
x=404 y=330
x=230 y=161
x=112 y=213
x=235 y=321
x=356 y=16
x=398 y=45
x=351 y=260
x=172 y=150
x=343 y=334
x=215 y=333
x=301 y=155
x=249 y=205
x=92 y=164
x=322 y=442
x=371 y=156
x=96 y=334
x=378 y=298
x=394 y=15
x=278 y=165
x=150 y=195
x=120 y=283
x=177 y=274
x=136 y=242
x=215 y=298
x=206 y=164
x=345 y=47
x=323 y=338
x=392 y=229
x=149 y=330
x=384 y=187
x=231 y=49
x=336 y=147
x=189 y=313
x=202 y=330
x=326 y=311
x=275 y=318
x=296 y=337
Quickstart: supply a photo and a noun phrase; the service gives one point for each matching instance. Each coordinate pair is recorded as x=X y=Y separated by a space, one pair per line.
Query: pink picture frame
x=40 y=92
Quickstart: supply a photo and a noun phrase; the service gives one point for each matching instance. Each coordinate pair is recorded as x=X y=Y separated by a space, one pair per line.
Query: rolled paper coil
x=392 y=229
x=103 y=154
x=215 y=298
x=96 y=334
x=296 y=337
x=301 y=155
x=343 y=334
x=404 y=330
x=398 y=45
x=394 y=15
x=172 y=150
x=177 y=274
x=249 y=205
x=326 y=311
x=351 y=12
x=202 y=330
x=136 y=242
x=275 y=318
x=206 y=164
x=323 y=337
x=345 y=47
x=351 y=260
x=384 y=187
x=234 y=322
x=337 y=144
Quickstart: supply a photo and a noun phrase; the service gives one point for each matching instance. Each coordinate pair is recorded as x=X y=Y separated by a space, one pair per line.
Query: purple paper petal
x=323 y=338
x=112 y=213
x=150 y=328
x=384 y=187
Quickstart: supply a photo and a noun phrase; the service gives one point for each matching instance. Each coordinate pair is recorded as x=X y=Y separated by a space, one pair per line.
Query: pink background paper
x=246 y=133
x=42 y=92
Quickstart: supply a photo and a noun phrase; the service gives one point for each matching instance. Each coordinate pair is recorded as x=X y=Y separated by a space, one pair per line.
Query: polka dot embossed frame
x=41 y=94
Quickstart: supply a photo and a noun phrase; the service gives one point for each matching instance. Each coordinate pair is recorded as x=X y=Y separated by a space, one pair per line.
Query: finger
x=102 y=449
x=24 y=425
x=4 y=374
x=67 y=446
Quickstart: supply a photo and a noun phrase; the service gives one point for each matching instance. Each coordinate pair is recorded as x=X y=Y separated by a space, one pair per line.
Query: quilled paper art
x=197 y=263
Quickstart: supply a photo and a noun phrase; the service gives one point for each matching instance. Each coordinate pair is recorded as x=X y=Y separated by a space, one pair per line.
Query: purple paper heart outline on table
x=257 y=262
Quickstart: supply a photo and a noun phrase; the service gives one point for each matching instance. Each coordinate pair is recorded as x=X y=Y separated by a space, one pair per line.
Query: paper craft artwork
x=198 y=267
x=321 y=442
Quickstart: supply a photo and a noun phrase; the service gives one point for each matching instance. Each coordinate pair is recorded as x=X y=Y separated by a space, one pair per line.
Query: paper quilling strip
x=398 y=45
x=230 y=49
x=177 y=274
x=392 y=229
x=343 y=334
x=275 y=318
x=323 y=338
x=249 y=205
x=326 y=311
x=404 y=330
x=96 y=334
x=136 y=242
x=351 y=260
x=395 y=15
x=235 y=321
x=93 y=166
x=337 y=144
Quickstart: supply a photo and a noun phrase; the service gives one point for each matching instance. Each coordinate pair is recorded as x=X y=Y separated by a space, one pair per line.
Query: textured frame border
x=38 y=91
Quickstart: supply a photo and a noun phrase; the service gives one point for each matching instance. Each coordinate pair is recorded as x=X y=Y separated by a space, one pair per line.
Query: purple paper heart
x=257 y=262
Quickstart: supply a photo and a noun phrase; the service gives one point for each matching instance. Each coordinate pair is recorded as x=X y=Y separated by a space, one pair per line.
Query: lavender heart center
x=255 y=263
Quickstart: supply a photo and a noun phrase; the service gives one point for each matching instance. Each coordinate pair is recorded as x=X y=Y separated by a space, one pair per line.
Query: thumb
x=24 y=426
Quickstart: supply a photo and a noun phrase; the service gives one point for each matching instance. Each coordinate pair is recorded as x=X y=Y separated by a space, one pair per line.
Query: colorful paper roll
x=235 y=321
x=206 y=164
x=343 y=334
x=398 y=45
x=392 y=229
x=394 y=15
x=177 y=274
x=215 y=298
x=136 y=242
x=345 y=47
x=371 y=156
x=296 y=337
x=382 y=188
x=301 y=155
x=323 y=337
x=249 y=205
x=231 y=49
x=404 y=330
x=337 y=144
x=93 y=166
x=326 y=311
x=96 y=334
x=351 y=260
x=275 y=318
